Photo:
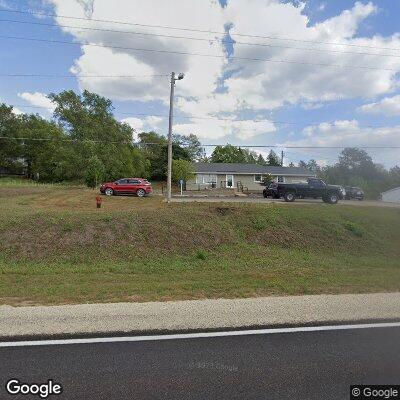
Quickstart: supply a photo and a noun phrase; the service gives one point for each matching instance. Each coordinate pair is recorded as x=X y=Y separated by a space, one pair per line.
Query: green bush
x=353 y=228
x=201 y=255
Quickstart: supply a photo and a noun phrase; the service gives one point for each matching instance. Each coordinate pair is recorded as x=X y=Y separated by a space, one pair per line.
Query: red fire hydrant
x=98 y=201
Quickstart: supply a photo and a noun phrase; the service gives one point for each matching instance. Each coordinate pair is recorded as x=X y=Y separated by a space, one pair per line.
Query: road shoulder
x=184 y=316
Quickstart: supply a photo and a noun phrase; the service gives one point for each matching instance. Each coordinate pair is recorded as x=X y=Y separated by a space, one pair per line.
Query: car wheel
x=109 y=192
x=141 y=193
x=290 y=197
x=333 y=198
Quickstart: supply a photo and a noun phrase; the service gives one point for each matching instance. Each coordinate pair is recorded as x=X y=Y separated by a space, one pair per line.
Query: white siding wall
x=392 y=196
x=202 y=181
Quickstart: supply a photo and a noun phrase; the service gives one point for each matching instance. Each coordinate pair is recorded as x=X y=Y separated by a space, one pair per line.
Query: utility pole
x=171 y=121
x=283 y=155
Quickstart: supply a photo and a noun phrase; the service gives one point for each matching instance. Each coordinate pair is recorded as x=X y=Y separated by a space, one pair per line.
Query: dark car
x=138 y=186
x=313 y=188
x=355 y=193
x=270 y=192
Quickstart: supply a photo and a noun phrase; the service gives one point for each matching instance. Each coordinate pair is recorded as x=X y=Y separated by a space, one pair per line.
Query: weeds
x=353 y=228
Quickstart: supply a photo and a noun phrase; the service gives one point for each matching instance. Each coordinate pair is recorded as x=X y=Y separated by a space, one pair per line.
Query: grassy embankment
x=56 y=248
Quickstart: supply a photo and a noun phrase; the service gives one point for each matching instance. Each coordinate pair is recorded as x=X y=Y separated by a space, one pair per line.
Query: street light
x=174 y=78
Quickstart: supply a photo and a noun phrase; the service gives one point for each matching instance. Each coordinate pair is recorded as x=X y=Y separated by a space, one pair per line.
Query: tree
x=291 y=165
x=356 y=168
x=155 y=149
x=354 y=159
x=302 y=164
x=182 y=169
x=267 y=179
x=192 y=145
x=394 y=176
x=11 y=146
x=273 y=159
x=94 y=173
x=227 y=154
x=88 y=119
x=43 y=157
x=233 y=154
x=261 y=160
x=313 y=166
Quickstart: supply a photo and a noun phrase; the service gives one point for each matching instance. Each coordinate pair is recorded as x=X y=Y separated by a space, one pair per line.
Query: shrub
x=201 y=255
x=353 y=228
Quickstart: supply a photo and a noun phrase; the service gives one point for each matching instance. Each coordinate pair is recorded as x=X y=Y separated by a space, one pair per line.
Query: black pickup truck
x=314 y=188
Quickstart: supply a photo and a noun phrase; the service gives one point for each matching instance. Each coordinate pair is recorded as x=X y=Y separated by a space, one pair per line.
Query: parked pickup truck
x=314 y=188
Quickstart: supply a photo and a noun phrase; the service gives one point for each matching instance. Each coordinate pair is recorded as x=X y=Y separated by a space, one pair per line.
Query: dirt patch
x=224 y=210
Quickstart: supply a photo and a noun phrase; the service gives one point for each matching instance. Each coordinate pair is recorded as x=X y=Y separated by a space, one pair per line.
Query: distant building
x=391 y=196
x=230 y=176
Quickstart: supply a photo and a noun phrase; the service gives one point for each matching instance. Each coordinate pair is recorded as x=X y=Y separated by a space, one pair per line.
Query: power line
x=81 y=76
x=199 y=54
x=40 y=14
x=65 y=140
x=203 y=145
x=244 y=120
x=311 y=147
x=223 y=41
x=217 y=118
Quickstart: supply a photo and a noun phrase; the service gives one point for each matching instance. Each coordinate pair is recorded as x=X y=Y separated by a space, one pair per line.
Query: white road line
x=180 y=336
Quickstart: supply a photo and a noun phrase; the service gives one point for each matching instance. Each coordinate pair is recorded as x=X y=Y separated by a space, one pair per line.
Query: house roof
x=214 y=168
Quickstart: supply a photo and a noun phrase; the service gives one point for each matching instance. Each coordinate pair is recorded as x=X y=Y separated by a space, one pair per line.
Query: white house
x=391 y=196
x=230 y=176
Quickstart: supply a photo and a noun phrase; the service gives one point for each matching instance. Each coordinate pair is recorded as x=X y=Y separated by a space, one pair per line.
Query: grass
x=57 y=248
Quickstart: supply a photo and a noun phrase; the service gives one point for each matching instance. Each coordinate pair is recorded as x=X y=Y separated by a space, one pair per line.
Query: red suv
x=137 y=186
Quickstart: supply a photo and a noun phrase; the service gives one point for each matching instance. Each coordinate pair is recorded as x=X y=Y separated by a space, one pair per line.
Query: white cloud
x=214 y=129
x=134 y=123
x=270 y=85
x=201 y=76
x=17 y=111
x=5 y=5
x=389 y=106
x=143 y=124
x=38 y=99
x=222 y=87
x=348 y=133
x=153 y=121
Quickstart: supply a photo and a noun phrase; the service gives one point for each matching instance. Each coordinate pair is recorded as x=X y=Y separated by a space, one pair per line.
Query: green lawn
x=56 y=248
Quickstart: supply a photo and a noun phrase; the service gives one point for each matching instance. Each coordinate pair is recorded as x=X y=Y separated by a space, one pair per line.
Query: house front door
x=229 y=181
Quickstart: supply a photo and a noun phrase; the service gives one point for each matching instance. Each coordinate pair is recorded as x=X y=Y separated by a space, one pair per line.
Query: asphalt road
x=302 y=365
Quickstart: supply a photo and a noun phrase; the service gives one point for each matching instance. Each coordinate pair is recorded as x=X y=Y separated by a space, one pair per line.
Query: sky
x=257 y=72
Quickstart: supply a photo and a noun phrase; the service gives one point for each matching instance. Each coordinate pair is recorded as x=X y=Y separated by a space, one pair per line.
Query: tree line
x=84 y=142
x=355 y=167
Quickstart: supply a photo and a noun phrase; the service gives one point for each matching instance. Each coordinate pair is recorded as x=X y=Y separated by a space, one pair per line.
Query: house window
x=257 y=178
x=206 y=179
x=281 y=179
